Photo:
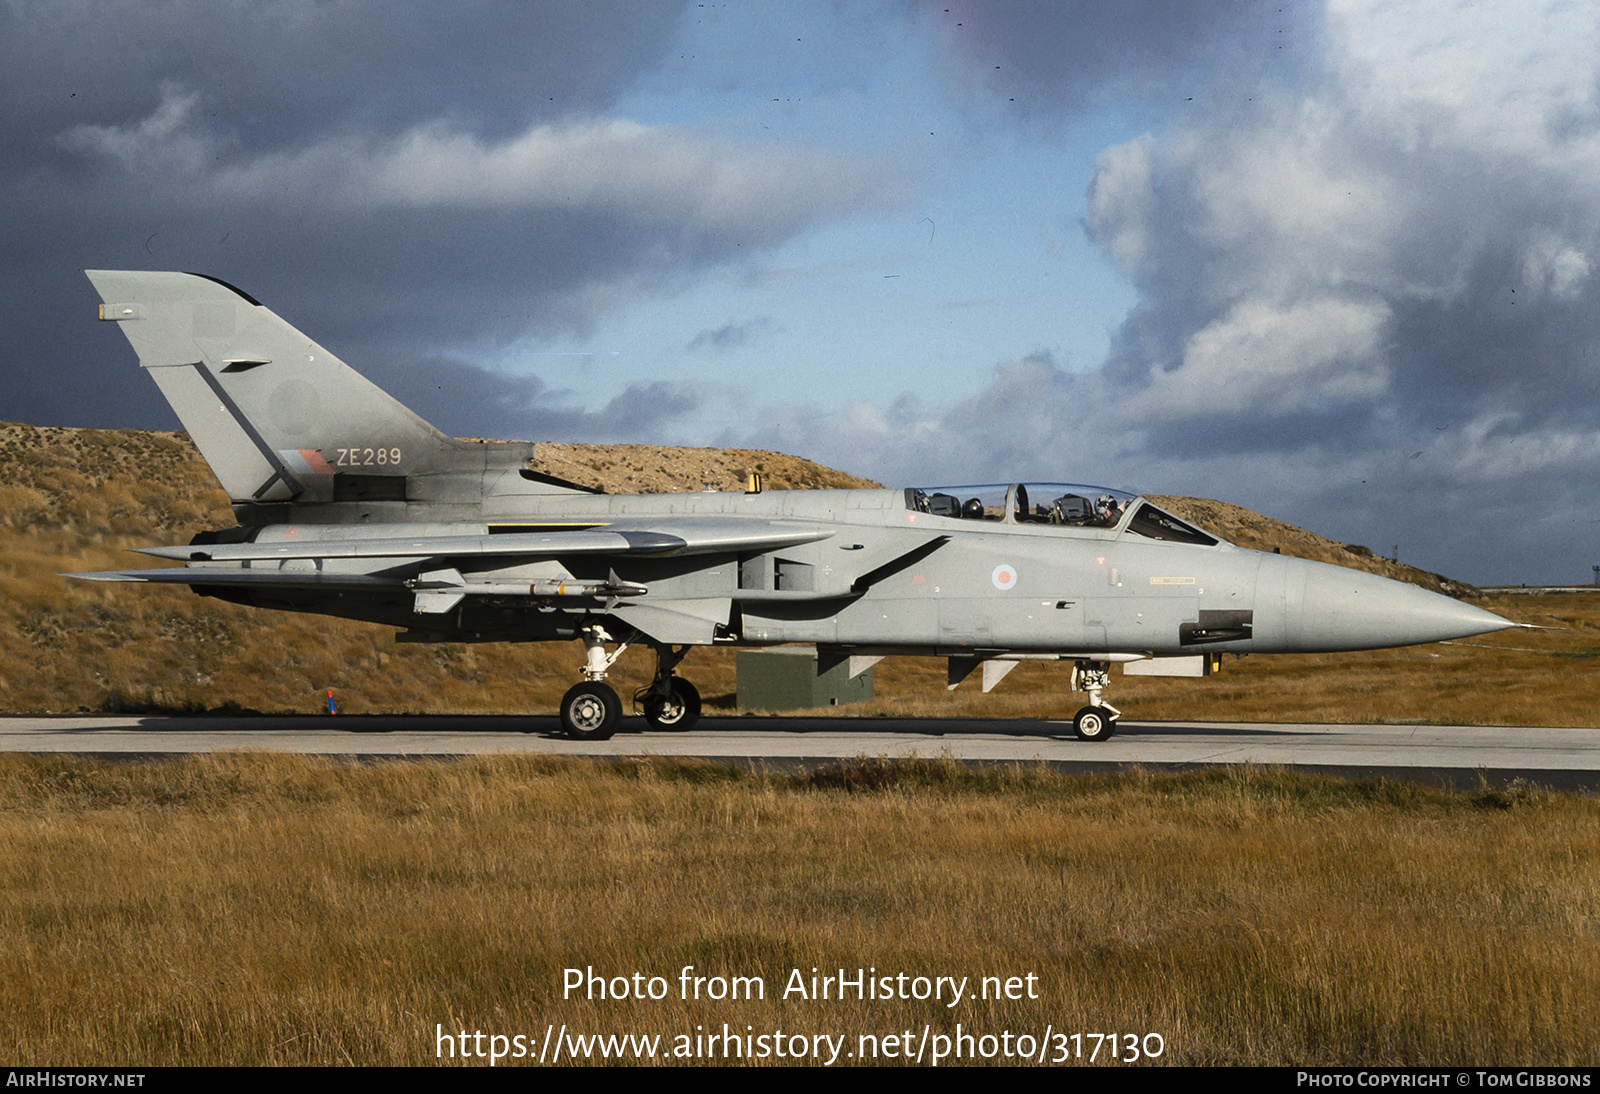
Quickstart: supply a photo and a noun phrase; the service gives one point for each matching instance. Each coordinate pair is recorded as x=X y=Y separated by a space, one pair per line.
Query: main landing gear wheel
x=590 y=711
x=675 y=712
x=1094 y=724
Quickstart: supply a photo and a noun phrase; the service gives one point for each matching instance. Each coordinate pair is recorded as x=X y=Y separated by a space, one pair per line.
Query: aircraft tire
x=590 y=711
x=676 y=713
x=1094 y=724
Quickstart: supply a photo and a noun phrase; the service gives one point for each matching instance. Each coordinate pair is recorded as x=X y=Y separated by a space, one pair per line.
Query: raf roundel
x=1004 y=578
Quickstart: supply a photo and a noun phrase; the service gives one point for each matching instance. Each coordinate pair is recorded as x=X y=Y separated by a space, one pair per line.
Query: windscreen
x=1156 y=524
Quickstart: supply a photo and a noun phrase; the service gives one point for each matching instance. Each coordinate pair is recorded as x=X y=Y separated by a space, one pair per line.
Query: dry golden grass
x=281 y=910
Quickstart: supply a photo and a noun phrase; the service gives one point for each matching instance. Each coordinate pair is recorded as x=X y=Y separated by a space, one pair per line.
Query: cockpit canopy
x=1065 y=505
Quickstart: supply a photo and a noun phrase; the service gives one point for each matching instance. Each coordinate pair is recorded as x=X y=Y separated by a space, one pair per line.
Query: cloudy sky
x=1332 y=261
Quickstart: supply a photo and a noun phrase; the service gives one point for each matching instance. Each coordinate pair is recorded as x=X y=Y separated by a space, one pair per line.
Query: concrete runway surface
x=1559 y=758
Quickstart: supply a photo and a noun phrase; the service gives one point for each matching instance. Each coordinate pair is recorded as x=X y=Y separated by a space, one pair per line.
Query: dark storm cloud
x=1481 y=504
x=392 y=179
x=1031 y=420
x=271 y=74
x=1381 y=243
x=1400 y=263
x=730 y=335
x=501 y=407
x=1315 y=270
x=1054 y=58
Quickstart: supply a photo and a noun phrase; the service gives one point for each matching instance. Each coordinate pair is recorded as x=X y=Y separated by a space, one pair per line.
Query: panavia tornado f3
x=348 y=504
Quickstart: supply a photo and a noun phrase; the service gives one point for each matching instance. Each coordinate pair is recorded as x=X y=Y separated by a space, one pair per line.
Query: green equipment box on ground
x=787 y=679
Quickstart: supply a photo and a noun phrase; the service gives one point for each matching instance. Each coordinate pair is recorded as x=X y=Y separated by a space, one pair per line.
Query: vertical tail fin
x=279 y=418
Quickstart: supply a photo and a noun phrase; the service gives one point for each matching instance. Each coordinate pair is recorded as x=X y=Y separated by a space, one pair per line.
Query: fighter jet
x=348 y=504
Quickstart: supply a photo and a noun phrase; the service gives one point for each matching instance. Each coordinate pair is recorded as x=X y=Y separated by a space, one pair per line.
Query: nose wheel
x=1098 y=720
x=1094 y=724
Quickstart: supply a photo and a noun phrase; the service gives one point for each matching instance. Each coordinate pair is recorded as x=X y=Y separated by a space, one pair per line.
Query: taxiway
x=1557 y=757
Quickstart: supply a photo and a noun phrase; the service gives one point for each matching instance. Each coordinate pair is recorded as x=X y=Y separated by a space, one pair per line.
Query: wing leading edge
x=657 y=541
x=433 y=574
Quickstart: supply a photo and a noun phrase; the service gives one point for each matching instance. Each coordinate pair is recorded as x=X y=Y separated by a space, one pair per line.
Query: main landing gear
x=676 y=710
x=591 y=710
x=1098 y=720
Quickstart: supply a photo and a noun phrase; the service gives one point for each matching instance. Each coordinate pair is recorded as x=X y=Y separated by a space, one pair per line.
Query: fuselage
x=891 y=577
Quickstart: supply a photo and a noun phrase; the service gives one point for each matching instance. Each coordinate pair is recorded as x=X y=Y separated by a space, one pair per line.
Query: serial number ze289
x=366 y=457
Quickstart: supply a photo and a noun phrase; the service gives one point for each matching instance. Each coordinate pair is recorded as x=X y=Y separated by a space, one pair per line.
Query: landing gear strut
x=670 y=702
x=1098 y=720
x=591 y=710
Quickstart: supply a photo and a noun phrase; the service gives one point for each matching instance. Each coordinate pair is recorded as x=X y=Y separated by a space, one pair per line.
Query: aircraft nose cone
x=1345 y=609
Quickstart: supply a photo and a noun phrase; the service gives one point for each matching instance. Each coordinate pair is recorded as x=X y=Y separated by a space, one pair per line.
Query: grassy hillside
x=75 y=499
x=1242 y=526
x=651 y=469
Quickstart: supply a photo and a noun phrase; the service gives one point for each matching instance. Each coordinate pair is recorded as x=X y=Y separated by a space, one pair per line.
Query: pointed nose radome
x=1344 y=609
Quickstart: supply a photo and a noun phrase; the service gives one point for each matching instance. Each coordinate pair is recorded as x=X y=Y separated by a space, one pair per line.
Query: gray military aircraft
x=348 y=504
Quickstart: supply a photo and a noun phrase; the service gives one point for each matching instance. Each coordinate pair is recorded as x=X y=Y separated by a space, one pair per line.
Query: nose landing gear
x=591 y=710
x=1098 y=720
